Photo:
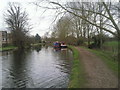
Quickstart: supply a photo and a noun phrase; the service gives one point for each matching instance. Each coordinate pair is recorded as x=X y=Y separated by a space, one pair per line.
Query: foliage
x=71 y=40
x=98 y=41
x=37 y=38
x=80 y=41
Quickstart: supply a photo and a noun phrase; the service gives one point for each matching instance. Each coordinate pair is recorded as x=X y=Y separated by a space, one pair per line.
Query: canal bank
x=8 y=48
x=77 y=76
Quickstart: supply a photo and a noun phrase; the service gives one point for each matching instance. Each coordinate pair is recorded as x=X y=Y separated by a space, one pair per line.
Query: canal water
x=41 y=67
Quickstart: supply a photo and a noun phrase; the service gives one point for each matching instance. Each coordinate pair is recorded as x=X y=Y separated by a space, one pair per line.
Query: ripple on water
x=32 y=69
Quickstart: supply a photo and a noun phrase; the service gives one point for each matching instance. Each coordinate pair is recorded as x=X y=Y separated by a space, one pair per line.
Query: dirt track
x=97 y=73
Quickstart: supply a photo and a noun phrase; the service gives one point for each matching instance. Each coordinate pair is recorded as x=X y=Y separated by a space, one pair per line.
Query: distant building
x=9 y=38
x=5 y=38
x=0 y=39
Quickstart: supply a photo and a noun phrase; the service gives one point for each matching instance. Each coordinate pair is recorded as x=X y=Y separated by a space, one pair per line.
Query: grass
x=77 y=78
x=111 y=44
x=106 y=57
x=87 y=42
x=37 y=44
x=7 y=48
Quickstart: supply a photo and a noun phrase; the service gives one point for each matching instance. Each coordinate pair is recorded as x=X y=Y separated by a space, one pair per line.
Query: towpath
x=98 y=75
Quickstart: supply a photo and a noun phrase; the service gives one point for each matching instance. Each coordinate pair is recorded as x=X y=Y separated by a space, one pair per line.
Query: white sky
x=40 y=21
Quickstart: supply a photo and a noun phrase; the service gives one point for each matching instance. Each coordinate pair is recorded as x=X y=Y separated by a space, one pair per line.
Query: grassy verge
x=7 y=48
x=37 y=44
x=106 y=57
x=111 y=44
x=77 y=78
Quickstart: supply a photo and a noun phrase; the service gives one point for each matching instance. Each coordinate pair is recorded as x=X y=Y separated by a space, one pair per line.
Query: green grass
x=87 y=42
x=7 y=48
x=111 y=44
x=77 y=78
x=107 y=58
x=37 y=44
x=112 y=48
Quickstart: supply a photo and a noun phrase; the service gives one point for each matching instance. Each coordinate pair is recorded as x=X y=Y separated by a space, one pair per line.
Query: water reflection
x=57 y=49
x=46 y=46
x=5 y=53
x=0 y=70
x=38 y=48
x=16 y=71
x=30 y=69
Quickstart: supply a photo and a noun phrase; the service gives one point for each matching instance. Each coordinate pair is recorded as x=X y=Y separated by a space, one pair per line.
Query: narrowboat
x=60 y=45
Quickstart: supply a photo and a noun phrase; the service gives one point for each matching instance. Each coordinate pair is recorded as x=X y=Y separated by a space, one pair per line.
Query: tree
x=90 y=18
x=37 y=38
x=108 y=16
x=17 y=21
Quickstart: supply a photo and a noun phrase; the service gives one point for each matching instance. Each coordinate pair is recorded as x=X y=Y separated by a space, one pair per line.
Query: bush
x=80 y=41
x=93 y=45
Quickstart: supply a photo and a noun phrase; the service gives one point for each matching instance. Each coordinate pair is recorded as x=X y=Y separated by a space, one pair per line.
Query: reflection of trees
x=46 y=46
x=5 y=53
x=38 y=48
x=18 y=69
x=64 y=61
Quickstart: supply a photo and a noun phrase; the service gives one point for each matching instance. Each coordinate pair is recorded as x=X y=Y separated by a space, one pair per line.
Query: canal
x=41 y=67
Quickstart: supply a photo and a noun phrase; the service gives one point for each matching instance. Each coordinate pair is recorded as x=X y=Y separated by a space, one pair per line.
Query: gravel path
x=97 y=73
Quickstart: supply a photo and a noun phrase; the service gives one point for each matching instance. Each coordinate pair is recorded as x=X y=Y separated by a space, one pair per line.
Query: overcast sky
x=41 y=22
x=40 y=18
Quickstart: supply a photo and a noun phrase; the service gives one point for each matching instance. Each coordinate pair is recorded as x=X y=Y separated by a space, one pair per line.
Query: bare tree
x=90 y=18
x=108 y=16
x=17 y=21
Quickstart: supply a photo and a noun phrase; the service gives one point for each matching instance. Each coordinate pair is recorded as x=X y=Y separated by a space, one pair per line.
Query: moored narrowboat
x=59 y=45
